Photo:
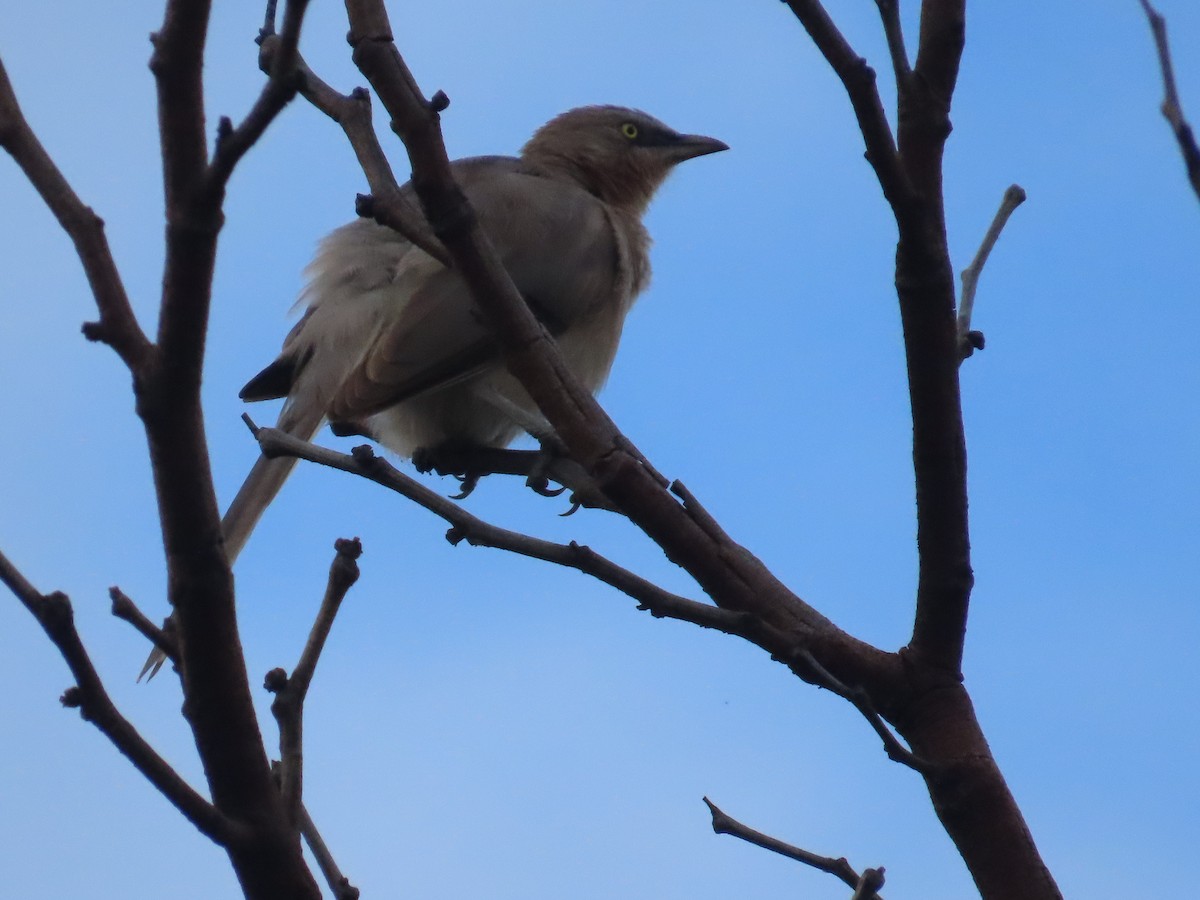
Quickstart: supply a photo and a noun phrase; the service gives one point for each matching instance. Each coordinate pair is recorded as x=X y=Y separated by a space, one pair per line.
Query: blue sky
x=484 y=726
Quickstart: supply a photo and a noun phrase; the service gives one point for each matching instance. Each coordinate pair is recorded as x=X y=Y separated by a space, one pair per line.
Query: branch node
x=72 y=697
x=276 y=681
x=439 y=102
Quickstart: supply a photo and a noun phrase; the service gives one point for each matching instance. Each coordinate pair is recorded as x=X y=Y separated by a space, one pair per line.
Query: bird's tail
x=254 y=496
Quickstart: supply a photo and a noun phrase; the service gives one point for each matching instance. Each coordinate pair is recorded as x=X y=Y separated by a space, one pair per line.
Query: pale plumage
x=391 y=343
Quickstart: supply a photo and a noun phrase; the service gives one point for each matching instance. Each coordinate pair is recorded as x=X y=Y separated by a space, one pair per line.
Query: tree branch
x=1171 y=108
x=288 y=706
x=338 y=883
x=858 y=78
x=162 y=638
x=660 y=603
x=234 y=143
x=889 y=12
x=387 y=204
x=53 y=612
x=839 y=868
x=969 y=341
x=117 y=326
x=728 y=573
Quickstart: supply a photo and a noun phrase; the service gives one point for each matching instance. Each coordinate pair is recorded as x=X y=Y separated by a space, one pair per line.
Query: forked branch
x=53 y=612
x=290 y=692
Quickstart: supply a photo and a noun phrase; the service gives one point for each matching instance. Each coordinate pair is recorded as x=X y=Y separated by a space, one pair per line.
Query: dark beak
x=689 y=146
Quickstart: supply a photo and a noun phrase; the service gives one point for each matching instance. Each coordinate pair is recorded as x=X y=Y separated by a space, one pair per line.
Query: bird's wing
x=557 y=243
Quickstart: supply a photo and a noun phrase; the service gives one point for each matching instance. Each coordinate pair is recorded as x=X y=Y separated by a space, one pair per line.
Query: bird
x=391 y=344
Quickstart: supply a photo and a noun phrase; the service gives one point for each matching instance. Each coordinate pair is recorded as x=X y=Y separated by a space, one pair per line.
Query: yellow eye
x=629 y=130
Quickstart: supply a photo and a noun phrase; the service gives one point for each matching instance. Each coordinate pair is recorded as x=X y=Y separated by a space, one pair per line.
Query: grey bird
x=391 y=344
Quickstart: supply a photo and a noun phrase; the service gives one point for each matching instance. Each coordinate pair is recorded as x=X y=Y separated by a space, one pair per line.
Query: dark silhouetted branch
x=162 y=638
x=387 y=203
x=234 y=143
x=839 y=868
x=53 y=612
x=733 y=577
x=1171 y=109
x=889 y=12
x=858 y=78
x=869 y=884
x=117 y=326
x=970 y=341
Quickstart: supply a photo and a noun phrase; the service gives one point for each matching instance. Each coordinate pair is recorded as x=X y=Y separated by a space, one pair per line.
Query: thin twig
x=805 y=664
x=1172 y=110
x=388 y=203
x=969 y=341
x=858 y=78
x=277 y=93
x=338 y=883
x=839 y=868
x=787 y=648
x=290 y=692
x=162 y=638
x=889 y=12
x=466 y=527
x=53 y=612
x=117 y=326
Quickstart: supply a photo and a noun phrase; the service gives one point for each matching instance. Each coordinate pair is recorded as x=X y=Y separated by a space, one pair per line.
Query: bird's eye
x=629 y=130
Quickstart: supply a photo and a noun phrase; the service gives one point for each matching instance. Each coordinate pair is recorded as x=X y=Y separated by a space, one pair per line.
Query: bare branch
x=858 y=78
x=869 y=884
x=889 y=12
x=162 y=638
x=464 y=526
x=233 y=143
x=1171 y=108
x=731 y=575
x=812 y=671
x=338 y=883
x=387 y=204
x=117 y=326
x=660 y=603
x=288 y=706
x=53 y=612
x=839 y=868
x=970 y=341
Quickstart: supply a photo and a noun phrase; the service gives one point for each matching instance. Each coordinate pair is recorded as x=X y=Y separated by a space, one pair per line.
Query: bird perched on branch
x=391 y=343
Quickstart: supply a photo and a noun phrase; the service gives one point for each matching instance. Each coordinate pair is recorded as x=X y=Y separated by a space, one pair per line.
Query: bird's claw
x=468 y=483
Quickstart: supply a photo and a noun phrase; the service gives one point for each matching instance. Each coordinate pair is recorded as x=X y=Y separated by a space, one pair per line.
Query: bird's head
x=620 y=155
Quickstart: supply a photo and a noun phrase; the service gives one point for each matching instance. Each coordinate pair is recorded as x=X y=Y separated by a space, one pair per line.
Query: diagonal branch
x=858 y=78
x=388 y=204
x=727 y=572
x=723 y=823
x=660 y=603
x=53 y=612
x=889 y=13
x=290 y=692
x=338 y=883
x=162 y=638
x=1171 y=108
x=969 y=341
x=234 y=143
x=117 y=326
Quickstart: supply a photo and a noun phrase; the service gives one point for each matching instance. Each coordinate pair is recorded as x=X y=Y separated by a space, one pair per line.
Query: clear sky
x=485 y=726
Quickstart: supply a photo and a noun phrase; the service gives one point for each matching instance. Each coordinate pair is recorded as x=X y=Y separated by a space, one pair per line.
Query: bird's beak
x=689 y=146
